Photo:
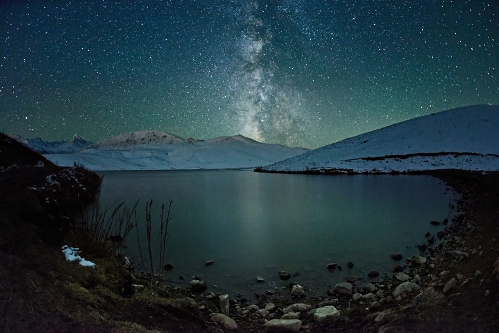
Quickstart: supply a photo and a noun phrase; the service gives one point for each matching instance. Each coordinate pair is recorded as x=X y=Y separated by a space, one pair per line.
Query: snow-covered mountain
x=56 y=147
x=155 y=150
x=465 y=138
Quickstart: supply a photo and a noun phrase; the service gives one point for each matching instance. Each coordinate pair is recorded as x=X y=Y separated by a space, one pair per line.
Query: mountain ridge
x=427 y=143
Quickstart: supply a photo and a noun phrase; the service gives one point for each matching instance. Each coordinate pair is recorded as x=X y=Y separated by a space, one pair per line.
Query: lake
x=256 y=224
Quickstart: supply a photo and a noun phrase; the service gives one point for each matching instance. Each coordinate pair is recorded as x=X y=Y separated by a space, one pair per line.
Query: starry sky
x=295 y=72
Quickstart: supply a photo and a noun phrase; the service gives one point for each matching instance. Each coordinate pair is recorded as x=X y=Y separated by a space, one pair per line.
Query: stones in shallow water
x=197 y=285
x=434 y=223
x=168 y=267
x=283 y=275
x=259 y=279
x=332 y=265
x=349 y=264
x=373 y=274
x=209 y=262
x=396 y=256
x=398 y=268
x=297 y=291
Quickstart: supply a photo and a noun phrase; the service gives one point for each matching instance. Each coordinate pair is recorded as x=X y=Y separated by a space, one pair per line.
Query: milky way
x=300 y=73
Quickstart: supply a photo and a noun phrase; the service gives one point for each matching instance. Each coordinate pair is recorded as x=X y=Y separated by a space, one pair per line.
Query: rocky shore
x=451 y=287
x=421 y=289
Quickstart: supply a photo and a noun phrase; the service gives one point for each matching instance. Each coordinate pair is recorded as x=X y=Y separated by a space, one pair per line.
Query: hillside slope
x=465 y=138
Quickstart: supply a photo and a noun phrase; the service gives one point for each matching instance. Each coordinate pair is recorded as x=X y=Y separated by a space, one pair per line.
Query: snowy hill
x=56 y=147
x=465 y=138
x=155 y=150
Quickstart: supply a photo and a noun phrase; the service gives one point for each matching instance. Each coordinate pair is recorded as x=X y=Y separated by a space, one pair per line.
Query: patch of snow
x=72 y=254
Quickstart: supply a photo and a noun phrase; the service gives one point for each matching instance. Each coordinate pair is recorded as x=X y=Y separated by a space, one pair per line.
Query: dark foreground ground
x=41 y=292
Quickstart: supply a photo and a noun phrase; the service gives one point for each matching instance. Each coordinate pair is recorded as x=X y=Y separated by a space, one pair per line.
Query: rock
x=398 y=268
x=441 y=234
x=357 y=296
x=332 y=265
x=380 y=293
x=451 y=284
x=435 y=223
x=270 y=306
x=291 y=315
x=209 y=262
x=343 y=288
x=375 y=305
x=380 y=317
x=478 y=273
x=284 y=275
x=417 y=278
x=349 y=264
x=373 y=274
x=396 y=256
x=259 y=279
x=252 y=308
x=326 y=313
x=369 y=296
x=227 y=322
x=418 y=260
x=197 y=285
x=422 y=247
x=443 y=274
x=370 y=287
x=168 y=267
x=297 y=291
x=401 y=276
x=224 y=304
x=297 y=307
x=405 y=287
x=263 y=313
x=283 y=325
x=351 y=279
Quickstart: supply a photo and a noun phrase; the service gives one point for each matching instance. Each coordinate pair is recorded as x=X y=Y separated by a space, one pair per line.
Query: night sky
x=301 y=73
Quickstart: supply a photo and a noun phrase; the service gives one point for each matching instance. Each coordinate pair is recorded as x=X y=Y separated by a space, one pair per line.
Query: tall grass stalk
x=102 y=232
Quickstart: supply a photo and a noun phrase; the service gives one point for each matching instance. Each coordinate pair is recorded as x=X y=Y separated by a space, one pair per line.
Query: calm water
x=254 y=224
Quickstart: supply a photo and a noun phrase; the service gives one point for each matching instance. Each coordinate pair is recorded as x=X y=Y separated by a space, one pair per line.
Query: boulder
x=224 y=304
x=297 y=307
x=283 y=325
x=197 y=285
x=396 y=256
x=291 y=315
x=343 y=288
x=326 y=313
x=451 y=284
x=405 y=287
x=227 y=322
x=401 y=276
x=297 y=291
x=418 y=260
x=332 y=265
